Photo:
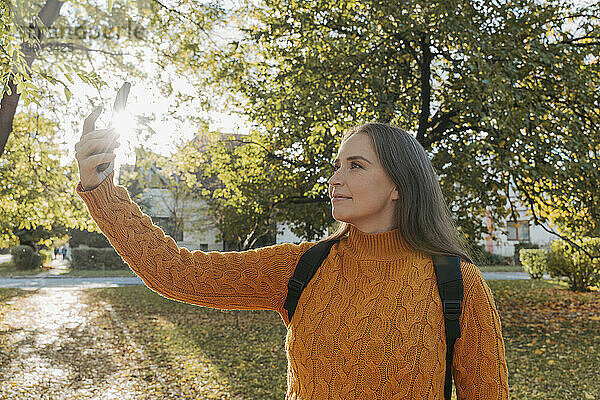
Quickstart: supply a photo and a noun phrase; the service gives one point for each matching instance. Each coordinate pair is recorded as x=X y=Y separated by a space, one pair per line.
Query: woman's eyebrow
x=352 y=158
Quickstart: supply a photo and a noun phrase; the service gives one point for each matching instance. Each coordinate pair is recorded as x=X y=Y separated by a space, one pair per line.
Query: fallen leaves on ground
x=551 y=336
x=206 y=353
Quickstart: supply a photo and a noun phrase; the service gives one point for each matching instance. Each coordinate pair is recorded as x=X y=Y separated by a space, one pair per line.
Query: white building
x=184 y=220
x=509 y=233
x=187 y=221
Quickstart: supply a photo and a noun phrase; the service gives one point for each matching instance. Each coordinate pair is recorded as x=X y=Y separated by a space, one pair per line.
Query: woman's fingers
x=97 y=159
x=99 y=133
x=89 y=123
x=93 y=158
x=95 y=146
x=101 y=138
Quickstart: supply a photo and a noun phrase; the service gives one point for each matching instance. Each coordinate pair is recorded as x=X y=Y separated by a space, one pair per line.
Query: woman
x=369 y=325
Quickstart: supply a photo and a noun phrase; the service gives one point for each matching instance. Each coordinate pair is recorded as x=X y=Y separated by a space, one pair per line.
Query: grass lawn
x=551 y=337
x=5 y=295
x=98 y=273
x=501 y=268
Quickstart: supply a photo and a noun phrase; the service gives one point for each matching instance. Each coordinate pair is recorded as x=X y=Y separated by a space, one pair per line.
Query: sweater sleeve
x=253 y=279
x=479 y=363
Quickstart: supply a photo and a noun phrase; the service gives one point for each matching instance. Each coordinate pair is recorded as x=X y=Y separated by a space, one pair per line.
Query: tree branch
x=8 y=105
x=425 y=89
x=537 y=221
x=439 y=125
x=272 y=155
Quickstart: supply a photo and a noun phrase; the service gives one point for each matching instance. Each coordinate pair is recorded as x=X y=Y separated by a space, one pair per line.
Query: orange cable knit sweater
x=368 y=326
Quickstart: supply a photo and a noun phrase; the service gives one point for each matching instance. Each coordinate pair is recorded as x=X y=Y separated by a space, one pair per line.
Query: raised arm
x=479 y=361
x=254 y=279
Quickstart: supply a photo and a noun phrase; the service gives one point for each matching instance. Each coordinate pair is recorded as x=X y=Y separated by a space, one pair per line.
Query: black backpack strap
x=450 y=286
x=309 y=262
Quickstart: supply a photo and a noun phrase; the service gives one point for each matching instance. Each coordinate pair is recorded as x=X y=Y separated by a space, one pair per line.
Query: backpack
x=450 y=288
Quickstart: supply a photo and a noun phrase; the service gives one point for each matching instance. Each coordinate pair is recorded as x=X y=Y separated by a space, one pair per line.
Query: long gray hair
x=422 y=216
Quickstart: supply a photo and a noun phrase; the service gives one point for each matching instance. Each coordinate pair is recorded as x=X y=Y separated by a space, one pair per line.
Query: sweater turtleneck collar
x=376 y=246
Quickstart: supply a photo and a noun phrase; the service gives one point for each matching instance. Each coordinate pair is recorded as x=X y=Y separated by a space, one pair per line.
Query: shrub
x=523 y=245
x=90 y=239
x=581 y=271
x=24 y=257
x=99 y=259
x=534 y=262
x=484 y=257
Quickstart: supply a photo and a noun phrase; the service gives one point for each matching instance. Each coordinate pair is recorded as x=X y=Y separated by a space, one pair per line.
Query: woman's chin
x=340 y=217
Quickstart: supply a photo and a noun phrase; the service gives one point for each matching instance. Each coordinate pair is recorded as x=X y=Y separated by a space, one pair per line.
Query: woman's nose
x=335 y=179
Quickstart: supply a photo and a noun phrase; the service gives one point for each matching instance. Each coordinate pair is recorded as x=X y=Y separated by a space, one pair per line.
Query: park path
x=50 y=281
x=59 y=343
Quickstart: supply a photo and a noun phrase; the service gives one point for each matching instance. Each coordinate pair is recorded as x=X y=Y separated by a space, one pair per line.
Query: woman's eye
x=352 y=165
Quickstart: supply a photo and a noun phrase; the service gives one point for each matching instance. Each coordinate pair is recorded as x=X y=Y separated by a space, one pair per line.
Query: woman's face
x=367 y=194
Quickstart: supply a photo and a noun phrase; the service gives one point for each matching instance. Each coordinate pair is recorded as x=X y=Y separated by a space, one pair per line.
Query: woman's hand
x=94 y=148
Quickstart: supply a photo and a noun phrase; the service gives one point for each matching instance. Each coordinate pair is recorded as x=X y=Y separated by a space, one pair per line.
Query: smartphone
x=118 y=106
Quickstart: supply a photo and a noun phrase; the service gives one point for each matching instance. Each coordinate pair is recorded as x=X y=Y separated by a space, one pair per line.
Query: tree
x=34 y=192
x=244 y=218
x=155 y=183
x=47 y=46
x=501 y=95
x=71 y=45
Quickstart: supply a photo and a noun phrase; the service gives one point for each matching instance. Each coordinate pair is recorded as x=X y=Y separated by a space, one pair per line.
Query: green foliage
x=46 y=256
x=65 y=46
x=534 y=262
x=157 y=183
x=581 y=270
x=523 y=245
x=91 y=239
x=224 y=171
x=35 y=199
x=13 y=64
x=96 y=259
x=24 y=257
x=40 y=235
x=450 y=73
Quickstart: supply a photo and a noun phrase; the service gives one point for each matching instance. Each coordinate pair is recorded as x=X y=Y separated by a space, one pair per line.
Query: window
x=203 y=246
x=518 y=231
x=170 y=227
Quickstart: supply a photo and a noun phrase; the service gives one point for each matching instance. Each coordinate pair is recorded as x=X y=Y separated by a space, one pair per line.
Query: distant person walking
x=369 y=325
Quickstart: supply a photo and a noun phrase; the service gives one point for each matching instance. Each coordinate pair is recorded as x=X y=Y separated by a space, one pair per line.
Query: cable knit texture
x=368 y=326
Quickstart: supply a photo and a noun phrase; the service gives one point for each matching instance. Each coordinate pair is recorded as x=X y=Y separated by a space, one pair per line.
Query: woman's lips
x=341 y=198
